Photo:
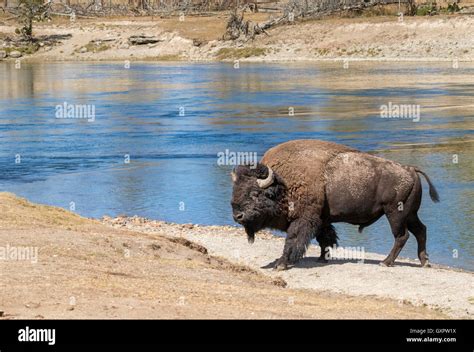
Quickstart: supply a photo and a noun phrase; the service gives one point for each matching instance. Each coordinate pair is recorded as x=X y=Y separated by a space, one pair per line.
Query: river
x=151 y=146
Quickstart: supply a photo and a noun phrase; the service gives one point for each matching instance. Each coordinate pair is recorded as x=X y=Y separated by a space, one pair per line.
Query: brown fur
x=318 y=183
x=301 y=164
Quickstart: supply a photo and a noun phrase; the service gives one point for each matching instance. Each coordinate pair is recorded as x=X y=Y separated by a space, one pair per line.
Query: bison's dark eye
x=269 y=193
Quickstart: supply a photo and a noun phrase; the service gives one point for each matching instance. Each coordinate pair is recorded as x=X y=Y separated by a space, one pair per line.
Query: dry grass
x=19 y=213
x=239 y=53
x=94 y=47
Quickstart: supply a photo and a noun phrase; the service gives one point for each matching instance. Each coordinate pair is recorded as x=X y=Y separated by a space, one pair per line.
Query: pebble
x=15 y=54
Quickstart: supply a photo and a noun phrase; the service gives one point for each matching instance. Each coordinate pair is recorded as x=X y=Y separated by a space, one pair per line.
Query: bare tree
x=30 y=11
x=239 y=28
x=412 y=7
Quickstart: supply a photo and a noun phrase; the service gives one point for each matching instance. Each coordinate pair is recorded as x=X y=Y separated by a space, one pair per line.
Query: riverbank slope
x=134 y=268
x=198 y=38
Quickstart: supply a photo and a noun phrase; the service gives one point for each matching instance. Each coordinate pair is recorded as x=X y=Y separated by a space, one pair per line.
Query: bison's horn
x=267 y=181
x=234 y=176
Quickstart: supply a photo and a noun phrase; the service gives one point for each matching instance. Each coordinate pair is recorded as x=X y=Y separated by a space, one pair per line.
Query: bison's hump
x=308 y=146
x=304 y=154
x=301 y=164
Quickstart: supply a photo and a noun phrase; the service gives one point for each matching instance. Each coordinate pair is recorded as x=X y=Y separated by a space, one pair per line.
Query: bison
x=302 y=187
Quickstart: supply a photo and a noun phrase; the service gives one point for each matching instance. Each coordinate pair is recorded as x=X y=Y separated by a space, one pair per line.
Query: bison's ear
x=242 y=170
x=238 y=171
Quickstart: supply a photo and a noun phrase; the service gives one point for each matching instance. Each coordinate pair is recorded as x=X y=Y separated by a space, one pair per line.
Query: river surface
x=151 y=147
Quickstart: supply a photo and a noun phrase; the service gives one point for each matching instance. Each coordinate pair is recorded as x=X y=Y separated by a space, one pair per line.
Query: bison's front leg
x=299 y=235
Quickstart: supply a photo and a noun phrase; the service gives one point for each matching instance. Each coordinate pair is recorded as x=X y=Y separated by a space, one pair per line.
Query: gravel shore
x=446 y=289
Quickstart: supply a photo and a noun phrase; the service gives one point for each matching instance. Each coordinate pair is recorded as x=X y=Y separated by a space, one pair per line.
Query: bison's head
x=256 y=198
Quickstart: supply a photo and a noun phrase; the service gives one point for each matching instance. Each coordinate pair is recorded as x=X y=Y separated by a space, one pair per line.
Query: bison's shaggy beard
x=253 y=226
x=271 y=217
x=250 y=231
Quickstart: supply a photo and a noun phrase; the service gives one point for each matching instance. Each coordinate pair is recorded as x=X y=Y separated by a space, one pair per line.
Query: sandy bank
x=85 y=269
x=438 y=38
x=451 y=291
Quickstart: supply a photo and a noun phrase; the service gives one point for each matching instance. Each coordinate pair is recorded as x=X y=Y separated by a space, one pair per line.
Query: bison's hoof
x=386 y=264
x=426 y=264
x=279 y=266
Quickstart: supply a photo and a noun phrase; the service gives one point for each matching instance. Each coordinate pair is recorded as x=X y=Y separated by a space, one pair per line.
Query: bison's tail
x=433 y=192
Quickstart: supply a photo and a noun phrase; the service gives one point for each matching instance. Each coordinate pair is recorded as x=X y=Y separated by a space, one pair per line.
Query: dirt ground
x=437 y=287
x=443 y=37
x=85 y=269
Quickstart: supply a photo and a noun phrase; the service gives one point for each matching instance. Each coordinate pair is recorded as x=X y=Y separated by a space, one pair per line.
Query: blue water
x=173 y=173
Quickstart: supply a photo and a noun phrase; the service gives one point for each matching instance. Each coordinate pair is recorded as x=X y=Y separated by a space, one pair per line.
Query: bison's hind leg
x=399 y=213
x=397 y=221
x=417 y=228
x=326 y=237
x=414 y=224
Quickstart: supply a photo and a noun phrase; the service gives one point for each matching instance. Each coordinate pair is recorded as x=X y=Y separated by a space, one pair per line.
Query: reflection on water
x=173 y=173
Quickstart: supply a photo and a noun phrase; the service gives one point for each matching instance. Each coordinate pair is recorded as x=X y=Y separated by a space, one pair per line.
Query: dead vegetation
x=94 y=46
x=295 y=10
x=237 y=27
x=239 y=53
